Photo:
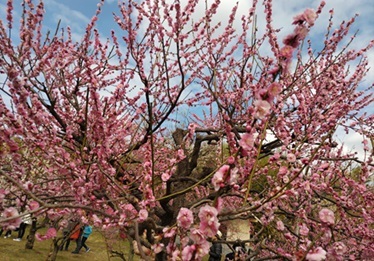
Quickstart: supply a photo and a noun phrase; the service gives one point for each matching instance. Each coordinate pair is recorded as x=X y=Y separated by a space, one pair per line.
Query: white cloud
x=76 y=20
x=352 y=142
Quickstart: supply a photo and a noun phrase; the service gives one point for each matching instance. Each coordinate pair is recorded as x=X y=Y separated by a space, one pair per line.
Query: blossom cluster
x=208 y=228
x=92 y=130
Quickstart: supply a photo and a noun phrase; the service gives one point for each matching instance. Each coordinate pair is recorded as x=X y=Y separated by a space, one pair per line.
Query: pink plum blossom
x=262 y=108
x=122 y=219
x=81 y=191
x=197 y=236
x=291 y=157
x=309 y=16
x=282 y=170
x=96 y=220
x=317 y=254
x=247 y=141
x=234 y=175
x=301 y=32
x=274 y=89
x=286 y=52
x=9 y=13
x=208 y=221
x=143 y=215
x=180 y=154
x=327 y=216
x=219 y=177
x=12 y=223
x=185 y=240
x=326 y=237
x=338 y=249
x=202 y=250
x=196 y=251
x=175 y=255
x=298 y=35
x=280 y=225
x=262 y=95
x=304 y=230
x=185 y=218
x=51 y=233
x=169 y=232
x=188 y=252
x=28 y=185
x=230 y=160
x=33 y=205
x=288 y=236
x=157 y=248
x=165 y=176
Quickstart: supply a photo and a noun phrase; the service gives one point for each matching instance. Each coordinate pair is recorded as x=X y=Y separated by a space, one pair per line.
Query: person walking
x=8 y=233
x=68 y=234
x=215 y=251
x=26 y=220
x=77 y=234
x=87 y=231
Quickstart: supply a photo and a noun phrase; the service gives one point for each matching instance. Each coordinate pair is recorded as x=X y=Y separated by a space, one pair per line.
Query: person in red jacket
x=81 y=242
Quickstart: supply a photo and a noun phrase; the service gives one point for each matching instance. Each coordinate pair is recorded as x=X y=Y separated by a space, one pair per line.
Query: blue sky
x=77 y=13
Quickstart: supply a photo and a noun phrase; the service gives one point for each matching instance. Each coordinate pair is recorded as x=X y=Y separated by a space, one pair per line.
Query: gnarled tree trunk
x=31 y=236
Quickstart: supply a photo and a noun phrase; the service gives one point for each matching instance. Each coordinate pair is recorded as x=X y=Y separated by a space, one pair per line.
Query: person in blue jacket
x=87 y=231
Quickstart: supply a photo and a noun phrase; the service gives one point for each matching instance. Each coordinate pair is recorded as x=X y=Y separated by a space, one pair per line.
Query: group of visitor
x=78 y=233
x=74 y=231
x=85 y=232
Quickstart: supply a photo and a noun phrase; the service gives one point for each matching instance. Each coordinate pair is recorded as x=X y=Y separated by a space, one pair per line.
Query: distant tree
x=97 y=119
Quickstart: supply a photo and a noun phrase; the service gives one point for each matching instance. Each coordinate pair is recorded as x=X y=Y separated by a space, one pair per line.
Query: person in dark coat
x=215 y=251
x=239 y=250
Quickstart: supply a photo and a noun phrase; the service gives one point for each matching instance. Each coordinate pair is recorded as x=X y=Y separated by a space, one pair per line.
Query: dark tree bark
x=31 y=237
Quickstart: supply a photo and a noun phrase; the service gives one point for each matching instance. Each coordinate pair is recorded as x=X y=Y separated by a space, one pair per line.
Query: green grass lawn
x=15 y=251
